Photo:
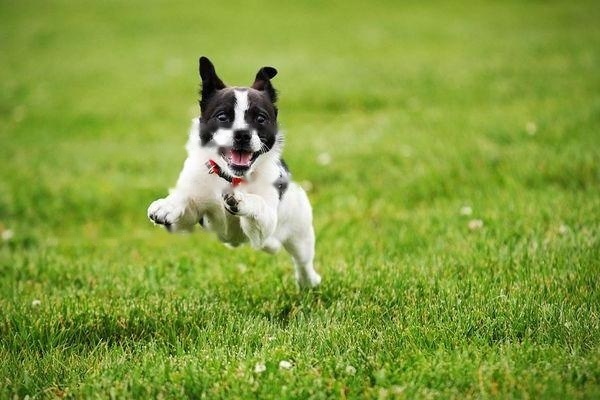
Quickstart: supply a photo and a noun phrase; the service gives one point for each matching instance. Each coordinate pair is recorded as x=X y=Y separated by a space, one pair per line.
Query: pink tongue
x=240 y=157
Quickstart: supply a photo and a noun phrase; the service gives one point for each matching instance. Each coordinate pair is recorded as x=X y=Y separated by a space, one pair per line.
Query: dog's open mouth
x=238 y=160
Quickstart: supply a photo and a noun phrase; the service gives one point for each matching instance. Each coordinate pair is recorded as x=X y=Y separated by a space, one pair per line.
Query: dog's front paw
x=165 y=212
x=235 y=203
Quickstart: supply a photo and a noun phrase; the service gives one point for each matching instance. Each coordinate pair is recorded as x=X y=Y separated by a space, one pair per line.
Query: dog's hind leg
x=302 y=250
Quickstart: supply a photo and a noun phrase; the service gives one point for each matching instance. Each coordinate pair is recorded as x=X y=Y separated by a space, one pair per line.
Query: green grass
x=423 y=108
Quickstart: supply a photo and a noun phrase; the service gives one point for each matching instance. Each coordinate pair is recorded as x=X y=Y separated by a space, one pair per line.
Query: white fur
x=241 y=106
x=261 y=218
x=222 y=138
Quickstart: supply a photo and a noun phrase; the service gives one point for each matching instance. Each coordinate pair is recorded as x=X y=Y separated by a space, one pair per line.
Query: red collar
x=213 y=168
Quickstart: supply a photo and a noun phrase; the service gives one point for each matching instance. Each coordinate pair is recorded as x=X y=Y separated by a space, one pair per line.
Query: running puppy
x=234 y=181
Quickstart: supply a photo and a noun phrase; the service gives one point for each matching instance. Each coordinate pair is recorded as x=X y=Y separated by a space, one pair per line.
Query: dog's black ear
x=210 y=81
x=263 y=82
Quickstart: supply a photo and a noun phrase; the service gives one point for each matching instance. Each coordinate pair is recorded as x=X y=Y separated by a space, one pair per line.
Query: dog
x=234 y=181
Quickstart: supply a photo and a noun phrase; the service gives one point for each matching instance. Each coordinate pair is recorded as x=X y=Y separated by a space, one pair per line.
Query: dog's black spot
x=282 y=183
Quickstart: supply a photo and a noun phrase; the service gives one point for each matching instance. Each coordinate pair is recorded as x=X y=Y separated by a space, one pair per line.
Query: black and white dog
x=234 y=181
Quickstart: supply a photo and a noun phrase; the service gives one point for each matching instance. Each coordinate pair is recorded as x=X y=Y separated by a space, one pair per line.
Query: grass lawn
x=457 y=220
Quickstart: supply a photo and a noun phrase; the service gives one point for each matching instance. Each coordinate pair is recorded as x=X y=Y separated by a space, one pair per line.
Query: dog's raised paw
x=164 y=212
x=234 y=203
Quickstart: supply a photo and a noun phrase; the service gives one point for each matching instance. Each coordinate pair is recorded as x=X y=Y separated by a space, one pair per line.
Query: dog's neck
x=213 y=168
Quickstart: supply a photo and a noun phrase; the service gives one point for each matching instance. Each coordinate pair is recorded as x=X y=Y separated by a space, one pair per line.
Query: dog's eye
x=222 y=117
x=260 y=119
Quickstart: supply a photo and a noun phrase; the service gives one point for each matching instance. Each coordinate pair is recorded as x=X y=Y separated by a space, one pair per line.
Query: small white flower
x=36 y=303
x=284 y=364
x=350 y=370
x=531 y=128
x=324 y=158
x=7 y=235
x=563 y=229
x=259 y=368
x=466 y=210
x=475 y=224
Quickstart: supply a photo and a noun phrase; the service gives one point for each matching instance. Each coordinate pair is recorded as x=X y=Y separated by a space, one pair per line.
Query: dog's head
x=238 y=123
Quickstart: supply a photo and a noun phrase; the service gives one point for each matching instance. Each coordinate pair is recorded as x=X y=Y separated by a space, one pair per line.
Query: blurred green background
x=452 y=156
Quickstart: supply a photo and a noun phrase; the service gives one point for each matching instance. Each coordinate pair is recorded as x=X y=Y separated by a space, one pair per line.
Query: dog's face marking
x=240 y=124
x=241 y=106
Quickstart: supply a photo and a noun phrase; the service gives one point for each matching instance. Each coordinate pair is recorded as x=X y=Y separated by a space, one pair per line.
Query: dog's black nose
x=241 y=136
